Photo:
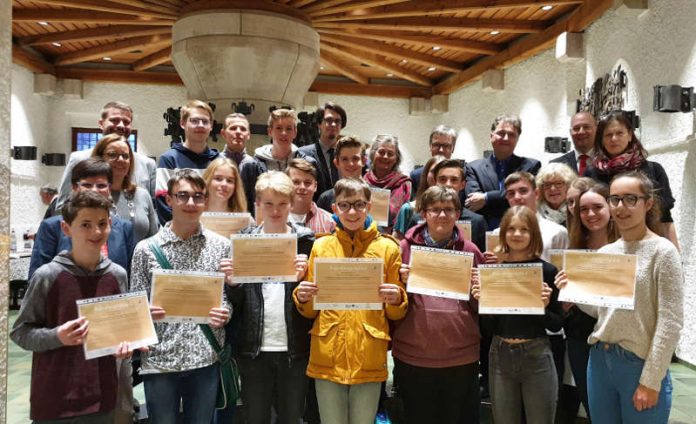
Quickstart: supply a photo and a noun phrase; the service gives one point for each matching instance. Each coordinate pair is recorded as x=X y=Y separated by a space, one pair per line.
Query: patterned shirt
x=182 y=346
x=319 y=221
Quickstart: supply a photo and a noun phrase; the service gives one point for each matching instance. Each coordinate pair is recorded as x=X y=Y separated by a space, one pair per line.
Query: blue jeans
x=197 y=389
x=523 y=374
x=613 y=374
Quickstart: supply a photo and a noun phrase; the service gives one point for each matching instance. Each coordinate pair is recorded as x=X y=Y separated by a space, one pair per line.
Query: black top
x=528 y=326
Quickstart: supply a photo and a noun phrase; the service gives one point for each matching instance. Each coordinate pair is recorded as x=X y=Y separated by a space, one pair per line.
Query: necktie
x=582 y=164
x=331 y=166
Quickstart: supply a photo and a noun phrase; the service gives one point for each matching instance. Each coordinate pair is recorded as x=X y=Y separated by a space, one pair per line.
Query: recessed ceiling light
x=495 y=32
x=432 y=68
x=404 y=61
x=390 y=75
x=107 y=58
x=547 y=7
x=436 y=48
x=44 y=23
x=322 y=68
x=56 y=44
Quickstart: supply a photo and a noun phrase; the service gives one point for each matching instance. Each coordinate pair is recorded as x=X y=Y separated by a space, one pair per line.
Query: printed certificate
x=260 y=258
x=511 y=289
x=465 y=226
x=556 y=258
x=380 y=205
x=115 y=319
x=348 y=283
x=186 y=296
x=440 y=272
x=226 y=223
x=600 y=279
x=492 y=240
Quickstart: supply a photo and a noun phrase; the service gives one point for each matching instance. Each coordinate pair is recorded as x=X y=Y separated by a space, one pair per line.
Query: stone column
x=6 y=71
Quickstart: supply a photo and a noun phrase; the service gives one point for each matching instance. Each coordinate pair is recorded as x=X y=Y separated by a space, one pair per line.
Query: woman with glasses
x=436 y=346
x=553 y=181
x=384 y=173
x=628 y=378
x=130 y=202
x=618 y=150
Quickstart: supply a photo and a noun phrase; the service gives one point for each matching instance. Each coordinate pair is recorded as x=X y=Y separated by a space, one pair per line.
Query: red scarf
x=631 y=159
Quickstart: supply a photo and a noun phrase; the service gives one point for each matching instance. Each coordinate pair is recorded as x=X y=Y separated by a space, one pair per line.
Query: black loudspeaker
x=556 y=145
x=673 y=98
x=24 y=152
x=53 y=159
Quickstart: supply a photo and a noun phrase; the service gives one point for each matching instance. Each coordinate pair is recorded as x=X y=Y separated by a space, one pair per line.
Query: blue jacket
x=50 y=241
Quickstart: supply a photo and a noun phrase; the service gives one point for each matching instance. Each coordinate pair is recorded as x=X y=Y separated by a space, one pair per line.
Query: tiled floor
x=683 y=379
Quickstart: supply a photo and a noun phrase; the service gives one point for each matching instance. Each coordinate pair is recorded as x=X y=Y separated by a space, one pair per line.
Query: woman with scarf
x=384 y=173
x=618 y=150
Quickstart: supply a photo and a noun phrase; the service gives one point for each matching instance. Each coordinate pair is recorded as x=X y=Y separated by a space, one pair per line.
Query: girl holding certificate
x=436 y=347
x=521 y=365
x=628 y=378
x=225 y=189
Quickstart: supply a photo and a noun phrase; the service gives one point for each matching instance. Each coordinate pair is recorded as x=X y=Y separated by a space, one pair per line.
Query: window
x=87 y=138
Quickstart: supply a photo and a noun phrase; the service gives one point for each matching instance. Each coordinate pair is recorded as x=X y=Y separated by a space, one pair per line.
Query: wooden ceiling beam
x=156 y=58
x=437 y=7
x=440 y=24
x=112 y=49
x=169 y=4
x=375 y=60
x=111 y=7
x=343 y=68
x=119 y=75
x=30 y=60
x=93 y=34
x=350 y=6
x=528 y=46
x=421 y=40
x=375 y=90
x=300 y=3
x=394 y=52
x=323 y=5
x=83 y=17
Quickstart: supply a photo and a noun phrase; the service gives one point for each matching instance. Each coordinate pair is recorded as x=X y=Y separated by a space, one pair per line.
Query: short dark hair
x=336 y=108
x=347 y=142
x=116 y=105
x=48 y=189
x=302 y=165
x=622 y=118
x=91 y=167
x=436 y=194
x=189 y=175
x=449 y=163
x=87 y=199
x=508 y=119
x=516 y=177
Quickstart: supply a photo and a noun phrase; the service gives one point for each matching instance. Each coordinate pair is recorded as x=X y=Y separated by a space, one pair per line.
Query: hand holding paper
x=73 y=332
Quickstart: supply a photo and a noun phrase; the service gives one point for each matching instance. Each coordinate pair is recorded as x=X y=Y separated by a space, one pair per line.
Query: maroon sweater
x=437 y=332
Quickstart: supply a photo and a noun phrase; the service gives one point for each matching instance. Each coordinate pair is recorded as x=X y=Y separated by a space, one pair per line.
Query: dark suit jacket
x=324 y=180
x=568 y=159
x=415 y=178
x=481 y=177
x=50 y=241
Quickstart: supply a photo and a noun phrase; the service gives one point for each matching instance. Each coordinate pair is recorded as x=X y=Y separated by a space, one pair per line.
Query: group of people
x=121 y=213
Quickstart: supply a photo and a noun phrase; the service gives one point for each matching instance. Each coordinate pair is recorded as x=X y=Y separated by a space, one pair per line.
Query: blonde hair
x=282 y=114
x=238 y=201
x=555 y=170
x=536 y=243
x=277 y=182
x=195 y=104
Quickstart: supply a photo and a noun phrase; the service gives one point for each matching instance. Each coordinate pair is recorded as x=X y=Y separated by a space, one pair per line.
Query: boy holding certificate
x=272 y=340
x=348 y=356
x=63 y=384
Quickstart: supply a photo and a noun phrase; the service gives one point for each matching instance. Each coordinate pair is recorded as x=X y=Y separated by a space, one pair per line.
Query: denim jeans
x=196 y=389
x=578 y=356
x=612 y=378
x=347 y=403
x=273 y=376
x=523 y=374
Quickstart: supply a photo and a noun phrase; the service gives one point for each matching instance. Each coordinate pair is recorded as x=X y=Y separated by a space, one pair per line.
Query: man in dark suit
x=441 y=142
x=582 y=130
x=484 y=177
x=333 y=120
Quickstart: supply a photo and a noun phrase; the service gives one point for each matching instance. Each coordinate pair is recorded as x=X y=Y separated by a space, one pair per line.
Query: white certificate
x=600 y=279
x=186 y=296
x=380 y=206
x=115 y=319
x=465 y=226
x=261 y=258
x=511 y=289
x=348 y=283
x=440 y=272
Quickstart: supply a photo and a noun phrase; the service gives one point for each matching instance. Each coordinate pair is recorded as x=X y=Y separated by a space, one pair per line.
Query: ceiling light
x=547 y=7
x=404 y=61
x=322 y=68
x=56 y=44
x=436 y=48
x=495 y=32
x=107 y=58
x=44 y=23
x=432 y=68
x=390 y=75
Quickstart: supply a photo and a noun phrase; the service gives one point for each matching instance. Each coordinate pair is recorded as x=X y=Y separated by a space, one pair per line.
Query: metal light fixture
x=673 y=98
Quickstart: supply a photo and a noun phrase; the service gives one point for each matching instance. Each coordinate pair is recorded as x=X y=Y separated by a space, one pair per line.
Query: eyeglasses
x=358 y=205
x=184 y=196
x=553 y=184
x=90 y=186
x=332 y=121
x=199 y=121
x=116 y=155
x=442 y=146
x=434 y=212
x=629 y=200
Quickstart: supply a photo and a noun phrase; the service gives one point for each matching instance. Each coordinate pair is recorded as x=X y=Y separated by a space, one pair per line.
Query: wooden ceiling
x=396 y=48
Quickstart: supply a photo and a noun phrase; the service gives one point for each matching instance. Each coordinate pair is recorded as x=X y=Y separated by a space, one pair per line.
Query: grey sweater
x=651 y=329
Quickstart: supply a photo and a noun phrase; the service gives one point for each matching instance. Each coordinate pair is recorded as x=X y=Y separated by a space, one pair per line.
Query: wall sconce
x=673 y=98
x=53 y=159
x=23 y=152
x=556 y=145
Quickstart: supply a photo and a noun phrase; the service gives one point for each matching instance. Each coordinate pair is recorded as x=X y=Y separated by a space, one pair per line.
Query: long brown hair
x=536 y=243
x=653 y=217
x=577 y=232
x=423 y=182
x=238 y=201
